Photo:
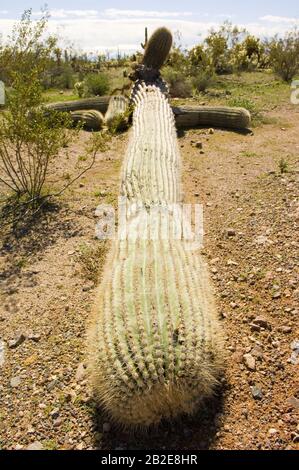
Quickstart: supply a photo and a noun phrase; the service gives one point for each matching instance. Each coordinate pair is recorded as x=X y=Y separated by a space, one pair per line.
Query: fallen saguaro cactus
x=91 y=119
x=224 y=117
x=99 y=103
x=116 y=109
x=156 y=344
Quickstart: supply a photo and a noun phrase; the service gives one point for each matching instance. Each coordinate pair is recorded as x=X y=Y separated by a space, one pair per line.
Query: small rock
x=15 y=381
x=81 y=372
x=55 y=413
x=249 y=362
x=257 y=352
x=14 y=343
x=272 y=432
x=34 y=337
x=51 y=385
x=88 y=287
x=106 y=427
x=231 y=263
x=36 y=445
x=234 y=305
x=199 y=145
x=211 y=131
x=285 y=329
x=295 y=437
x=255 y=327
x=261 y=240
x=57 y=422
x=293 y=402
x=230 y=232
x=262 y=322
x=2 y=353
x=256 y=392
x=295 y=355
x=276 y=295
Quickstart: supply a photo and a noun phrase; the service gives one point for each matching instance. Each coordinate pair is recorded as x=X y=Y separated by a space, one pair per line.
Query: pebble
x=272 y=432
x=55 y=413
x=285 y=329
x=15 y=381
x=2 y=353
x=249 y=362
x=199 y=145
x=262 y=322
x=34 y=337
x=14 y=343
x=230 y=232
x=57 y=422
x=36 y=445
x=294 y=359
x=261 y=240
x=81 y=372
x=256 y=392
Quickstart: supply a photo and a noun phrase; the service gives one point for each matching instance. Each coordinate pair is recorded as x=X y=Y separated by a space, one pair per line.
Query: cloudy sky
x=95 y=25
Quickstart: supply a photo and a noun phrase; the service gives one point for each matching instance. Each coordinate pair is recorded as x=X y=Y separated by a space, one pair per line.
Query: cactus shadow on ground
x=196 y=432
x=31 y=235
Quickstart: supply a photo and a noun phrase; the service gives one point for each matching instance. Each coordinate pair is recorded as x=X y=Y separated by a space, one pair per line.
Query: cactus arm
x=157 y=48
x=117 y=106
x=91 y=119
x=99 y=103
x=224 y=117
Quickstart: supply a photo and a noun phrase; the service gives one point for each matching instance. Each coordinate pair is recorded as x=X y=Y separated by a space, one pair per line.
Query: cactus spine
x=156 y=346
x=157 y=49
x=91 y=119
x=224 y=117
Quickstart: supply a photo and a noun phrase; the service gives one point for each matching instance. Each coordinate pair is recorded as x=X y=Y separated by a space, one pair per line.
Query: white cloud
x=62 y=13
x=114 y=12
x=90 y=30
x=3 y=12
x=280 y=19
x=104 y=34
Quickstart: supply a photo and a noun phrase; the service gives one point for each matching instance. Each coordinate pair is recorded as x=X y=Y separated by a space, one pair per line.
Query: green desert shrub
x=284 y=55
x=96 y=84
x=180 y=85
x=202 y=79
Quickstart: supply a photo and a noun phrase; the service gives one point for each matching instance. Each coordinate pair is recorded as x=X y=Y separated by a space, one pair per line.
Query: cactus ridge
x=156 y=344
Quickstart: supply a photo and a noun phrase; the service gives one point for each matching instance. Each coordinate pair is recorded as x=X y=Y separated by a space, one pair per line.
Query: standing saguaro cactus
x=156 y=344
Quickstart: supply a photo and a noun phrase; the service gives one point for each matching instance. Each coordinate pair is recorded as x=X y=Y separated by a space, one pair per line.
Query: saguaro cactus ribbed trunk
x=156 y=342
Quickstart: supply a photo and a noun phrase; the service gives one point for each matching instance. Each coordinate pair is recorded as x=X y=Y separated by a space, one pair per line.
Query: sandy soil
x=251 y=243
